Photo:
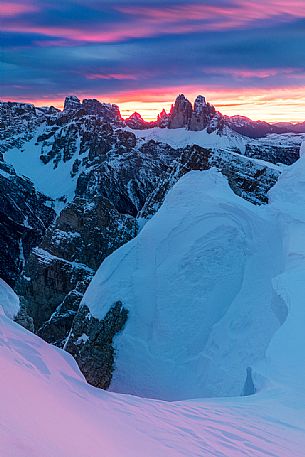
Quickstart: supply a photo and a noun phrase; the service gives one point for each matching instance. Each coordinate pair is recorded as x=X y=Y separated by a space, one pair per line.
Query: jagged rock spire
x=181 y=113
x=72 y=102
x=200 y=104
x=202 y=116
x=136 y=121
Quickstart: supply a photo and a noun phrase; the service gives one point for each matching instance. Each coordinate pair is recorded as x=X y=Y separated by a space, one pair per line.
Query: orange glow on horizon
x=272 y=105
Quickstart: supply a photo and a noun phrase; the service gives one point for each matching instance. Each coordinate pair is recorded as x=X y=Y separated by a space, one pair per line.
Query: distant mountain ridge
x=200 y=116
x=203 y=115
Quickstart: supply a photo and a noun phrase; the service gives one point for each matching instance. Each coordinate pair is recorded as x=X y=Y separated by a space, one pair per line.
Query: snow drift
x=9 y=301
x=198 y=285
x=208 y=282
x=48 y=410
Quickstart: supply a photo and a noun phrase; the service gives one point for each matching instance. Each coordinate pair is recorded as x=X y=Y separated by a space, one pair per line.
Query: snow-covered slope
x=286 y=356
x=9 y=301
x=197 y=282
x=208 y=282
x=181 y=137
x=48 y=410
x=274 y=148
x=53 y=182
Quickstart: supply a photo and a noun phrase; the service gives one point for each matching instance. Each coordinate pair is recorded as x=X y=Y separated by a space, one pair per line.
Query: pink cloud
x=217 y=16
x=11 y=9
x=106 y=35
x=254 y=73
x=118 y=76
x=151 y=21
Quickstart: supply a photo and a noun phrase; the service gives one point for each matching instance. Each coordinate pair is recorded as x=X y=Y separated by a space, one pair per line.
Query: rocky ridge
x=202 y=115
x=25 y=215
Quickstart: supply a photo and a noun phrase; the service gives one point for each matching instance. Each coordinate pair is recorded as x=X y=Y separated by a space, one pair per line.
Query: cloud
x=237 y=14
x=103 y=49
x=99 y=22
x=14 y=9
x=115 y=76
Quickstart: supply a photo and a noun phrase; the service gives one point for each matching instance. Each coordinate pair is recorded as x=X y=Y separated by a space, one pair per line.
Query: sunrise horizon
x=245 y=58
x=255 y=106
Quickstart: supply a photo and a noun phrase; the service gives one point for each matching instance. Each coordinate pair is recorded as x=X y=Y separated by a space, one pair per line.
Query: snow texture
x=48 y=410
x=9 y=301
x=53 y=182
x=197 y=281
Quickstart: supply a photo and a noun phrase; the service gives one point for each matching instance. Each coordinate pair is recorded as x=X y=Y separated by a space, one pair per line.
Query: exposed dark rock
x=273 y=154
x=249 y=387
x=46 y=282
x=192 y=158
x=203 y=116
x=24 y=218
x=91 y=343
x=18 y=121
x=58 y=273
x=72 y=103
x=114 y=180
x=163 y=119
x=48 y=110
x=135 y=121
x=106 y=111
x=181 y=113
x=57 y=328
x=248 y=179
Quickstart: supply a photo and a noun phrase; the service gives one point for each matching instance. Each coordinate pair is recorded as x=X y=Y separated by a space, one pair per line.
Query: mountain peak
x=72 y=102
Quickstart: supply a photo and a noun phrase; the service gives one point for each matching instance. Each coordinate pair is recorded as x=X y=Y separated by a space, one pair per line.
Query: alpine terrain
x=152 y=282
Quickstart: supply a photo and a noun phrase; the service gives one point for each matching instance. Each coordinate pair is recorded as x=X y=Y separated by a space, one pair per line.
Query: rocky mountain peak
x=136 y=121
x=200 y=104
x=136 y=115
x=72 y=103
x=163 y=119
x=180 y=113
x=108 y=111
x=201 y=116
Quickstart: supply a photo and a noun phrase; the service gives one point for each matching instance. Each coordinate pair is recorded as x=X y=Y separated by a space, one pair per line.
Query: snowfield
x=53 y=182
x=48 y=410
x=181 y=137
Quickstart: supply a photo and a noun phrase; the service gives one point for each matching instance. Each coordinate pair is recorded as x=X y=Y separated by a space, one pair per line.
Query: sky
x=247 y=57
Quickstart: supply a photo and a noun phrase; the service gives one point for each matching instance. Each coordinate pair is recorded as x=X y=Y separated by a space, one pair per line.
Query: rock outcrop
x=115 y=174
x=72 y=103
x=25 y=215
x=201 y=116
x=136 y=121
x=181 y=113
x=91 y=343
x=163 y=119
